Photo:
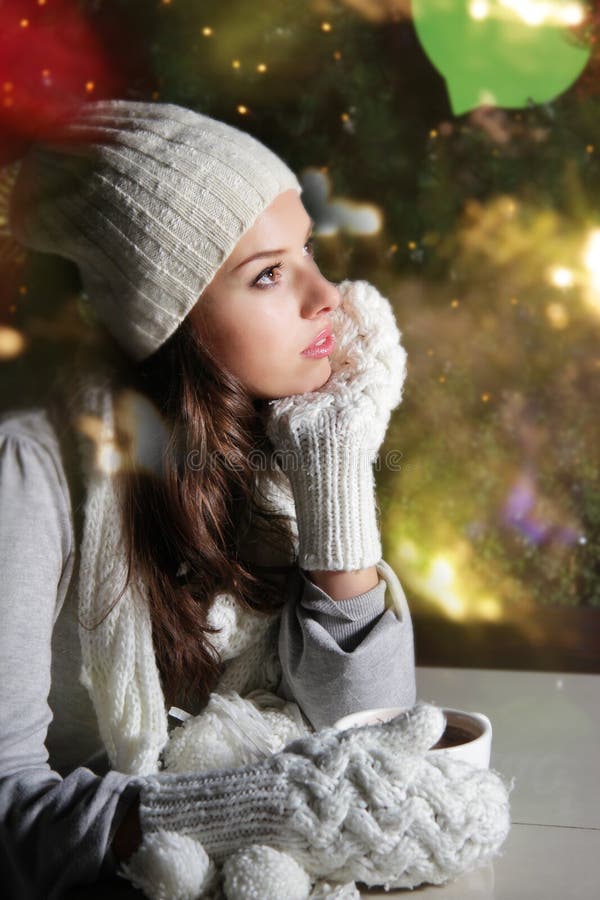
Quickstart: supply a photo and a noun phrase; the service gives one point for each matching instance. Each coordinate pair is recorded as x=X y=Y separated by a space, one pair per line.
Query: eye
x=267 y=273
x=310 y=244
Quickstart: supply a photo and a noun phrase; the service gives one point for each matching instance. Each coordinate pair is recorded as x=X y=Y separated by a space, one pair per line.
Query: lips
x=325 y=334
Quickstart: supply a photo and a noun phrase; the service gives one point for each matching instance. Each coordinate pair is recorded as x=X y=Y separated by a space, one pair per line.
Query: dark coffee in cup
x=460 y=729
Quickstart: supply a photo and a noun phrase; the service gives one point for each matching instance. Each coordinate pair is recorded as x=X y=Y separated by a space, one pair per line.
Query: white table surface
x=546 y=733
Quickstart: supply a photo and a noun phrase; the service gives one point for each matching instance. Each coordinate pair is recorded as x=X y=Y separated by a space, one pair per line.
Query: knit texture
x=366 y=804
x=372 y=808
x=171 y=866
x=262 y=873
x=329 y=438
x=334 y=614
x=335 y=810
x=233 y=731
x=119 y=666
x=148 y=199
x=118 y=662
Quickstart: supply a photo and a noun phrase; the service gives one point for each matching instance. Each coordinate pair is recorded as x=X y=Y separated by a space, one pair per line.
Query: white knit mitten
x=328 y=439
x=366 y=804
x=233 y=731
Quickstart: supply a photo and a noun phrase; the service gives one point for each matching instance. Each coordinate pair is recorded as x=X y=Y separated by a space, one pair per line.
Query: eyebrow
x=266 y=253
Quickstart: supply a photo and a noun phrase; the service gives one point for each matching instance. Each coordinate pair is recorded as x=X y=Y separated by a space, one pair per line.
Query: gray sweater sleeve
x=343 y=656
x=55 y=831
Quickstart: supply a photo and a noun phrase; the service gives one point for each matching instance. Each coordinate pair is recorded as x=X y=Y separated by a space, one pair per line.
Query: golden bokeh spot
x=326 y=26
x=108 y=456
x=444 y=582
x=345 y=117
x=41 y=2
x=24 y=23
x=485 y=398
x=394 y=248
x=454 y=303
x=235 y=64
x=439 y=584
x=89 y=86
x=590 y=148
x=442 y=379
x=478 y=9
x=412 y=245
x=337 y=54
x=137 y=441
x=12 y=342
x=557 y=316
x=207 y=31
x=561 y=277
x=430 y=352
x=22 y=289
x=433 y=133
x=261 y=67
x=489 y=608
x=243 y=110
x=507 y=206
x=514 y=301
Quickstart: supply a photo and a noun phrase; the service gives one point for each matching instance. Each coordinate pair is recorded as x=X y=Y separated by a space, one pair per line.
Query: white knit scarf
x=120 y=672
x=119 y=666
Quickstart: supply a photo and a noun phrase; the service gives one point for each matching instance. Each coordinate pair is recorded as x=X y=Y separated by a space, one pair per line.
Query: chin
x=321 y=376
x=305 y=385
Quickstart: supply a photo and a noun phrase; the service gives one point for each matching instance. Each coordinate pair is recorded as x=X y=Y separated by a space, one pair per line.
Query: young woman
x=188 y=530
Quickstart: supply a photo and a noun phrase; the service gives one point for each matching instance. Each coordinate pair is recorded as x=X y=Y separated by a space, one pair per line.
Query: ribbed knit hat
x=148 y=199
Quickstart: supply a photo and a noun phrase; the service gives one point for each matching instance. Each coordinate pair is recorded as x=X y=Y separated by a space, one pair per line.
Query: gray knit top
x=59 y=801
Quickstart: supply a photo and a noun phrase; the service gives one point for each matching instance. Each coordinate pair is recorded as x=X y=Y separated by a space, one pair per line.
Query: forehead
x=282 y=220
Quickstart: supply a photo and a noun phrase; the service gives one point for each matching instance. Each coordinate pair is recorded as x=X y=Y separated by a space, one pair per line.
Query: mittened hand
x=366 y=804
x=330 y=437
x=370 y=804
x=412 y=732
x=368 y=366
x=368 y=360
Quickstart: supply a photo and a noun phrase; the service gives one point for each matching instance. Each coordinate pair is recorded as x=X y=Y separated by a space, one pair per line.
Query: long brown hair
x=198 y=516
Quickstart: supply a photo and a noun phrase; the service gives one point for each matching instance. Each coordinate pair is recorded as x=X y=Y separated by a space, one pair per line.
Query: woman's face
x=267 y=303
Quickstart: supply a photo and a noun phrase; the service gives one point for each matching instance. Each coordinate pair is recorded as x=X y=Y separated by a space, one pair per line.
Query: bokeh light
x=475 y=213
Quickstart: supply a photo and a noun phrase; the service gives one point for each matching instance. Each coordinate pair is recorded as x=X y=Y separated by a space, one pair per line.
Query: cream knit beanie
x=148 y=199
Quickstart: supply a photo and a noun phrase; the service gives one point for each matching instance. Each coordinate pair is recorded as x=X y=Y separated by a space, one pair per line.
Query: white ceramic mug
x=476 y=728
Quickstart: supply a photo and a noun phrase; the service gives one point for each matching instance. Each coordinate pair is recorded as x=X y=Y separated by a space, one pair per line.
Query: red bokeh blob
x=51 y=60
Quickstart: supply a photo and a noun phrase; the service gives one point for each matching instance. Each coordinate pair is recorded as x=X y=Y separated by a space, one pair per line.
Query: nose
x=322 y=297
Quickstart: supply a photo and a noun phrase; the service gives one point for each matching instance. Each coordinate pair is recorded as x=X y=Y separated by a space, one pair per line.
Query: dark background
x=490 y=513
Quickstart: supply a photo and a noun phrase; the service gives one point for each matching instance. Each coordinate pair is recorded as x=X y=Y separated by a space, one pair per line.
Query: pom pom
x=231 y=731
x=262 y=873
x=324 y=890
x=170 y=866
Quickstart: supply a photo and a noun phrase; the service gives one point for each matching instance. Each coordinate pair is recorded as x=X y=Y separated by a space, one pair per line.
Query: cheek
x=253 y=345
x=267 y=349
x=264 y=353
